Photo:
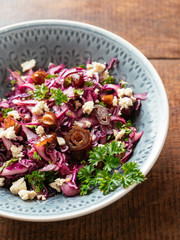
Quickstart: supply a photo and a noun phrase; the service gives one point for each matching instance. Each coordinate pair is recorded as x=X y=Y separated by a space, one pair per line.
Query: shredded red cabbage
x=46 y=105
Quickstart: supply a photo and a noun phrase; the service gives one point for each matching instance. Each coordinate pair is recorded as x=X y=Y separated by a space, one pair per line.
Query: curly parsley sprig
x=42 y=92
x=109 y=157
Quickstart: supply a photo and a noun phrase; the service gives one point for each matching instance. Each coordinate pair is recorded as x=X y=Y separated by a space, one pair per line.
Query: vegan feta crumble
x=88 y=107
x=40 y=108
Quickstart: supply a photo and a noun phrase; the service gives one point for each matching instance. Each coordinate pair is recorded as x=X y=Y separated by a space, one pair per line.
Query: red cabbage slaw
x=52 y=118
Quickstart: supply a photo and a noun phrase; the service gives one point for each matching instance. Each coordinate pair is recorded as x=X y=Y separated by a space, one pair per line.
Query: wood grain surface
x=151 y=211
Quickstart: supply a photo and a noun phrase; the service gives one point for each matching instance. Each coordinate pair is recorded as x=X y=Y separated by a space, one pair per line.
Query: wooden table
x=152 y=210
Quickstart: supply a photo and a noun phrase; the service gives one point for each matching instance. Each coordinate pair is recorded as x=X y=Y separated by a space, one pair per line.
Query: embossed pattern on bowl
x=72 y=43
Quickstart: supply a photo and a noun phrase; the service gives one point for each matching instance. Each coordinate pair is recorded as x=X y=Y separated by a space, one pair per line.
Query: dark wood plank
x=150 y=211
x=151 y=25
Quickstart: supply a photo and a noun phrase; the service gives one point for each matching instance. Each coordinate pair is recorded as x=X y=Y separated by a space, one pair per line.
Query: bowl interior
x=73 y=43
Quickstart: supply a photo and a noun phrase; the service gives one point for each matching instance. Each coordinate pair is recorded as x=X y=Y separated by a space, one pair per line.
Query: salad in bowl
x=67 y=131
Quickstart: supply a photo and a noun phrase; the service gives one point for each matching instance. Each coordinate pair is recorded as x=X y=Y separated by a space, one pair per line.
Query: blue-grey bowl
x=72 y=43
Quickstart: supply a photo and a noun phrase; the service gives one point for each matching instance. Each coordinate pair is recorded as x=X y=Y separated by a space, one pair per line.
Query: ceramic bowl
x=72 y=43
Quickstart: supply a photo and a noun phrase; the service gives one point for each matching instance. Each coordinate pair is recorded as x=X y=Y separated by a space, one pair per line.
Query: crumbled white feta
x=40 y=108
x=115 y=101
x=18 y=185
x=119 y=135
x=57 y=184
x=94 y=67
x=105 y=75
x=2 y=181
x=96 y=91
x=14 y=114
x=78 y=124
x=133 y=99
x=88 y=124
x=96 y=101
x=115 y=132
x=88 y=107
x=100 y=145
x=17 y=151
x=125 y=102
x=26 y=195
x=13 y=88
x=28 y=65
x=9 y=133
x=40 y=130
x=41 y=197
x=124 y=92
x=119 y=113
x=61 y=141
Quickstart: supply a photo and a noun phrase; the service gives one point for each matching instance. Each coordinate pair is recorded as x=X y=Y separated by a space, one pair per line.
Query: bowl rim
x=153 y=155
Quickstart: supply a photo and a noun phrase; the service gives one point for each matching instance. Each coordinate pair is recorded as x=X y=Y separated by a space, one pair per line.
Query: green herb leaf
x=31 y=126
x=36 y=178
x=67 y=81
x=39 y=179
x=13 y=82
x=58 y=96
x=82 y=66
x=40 y=92
x=50 y=176
x=78 y=91
x=109 y=80
x=109 y=156
x=108 y=182
x=8 y=163
x=121 y=126
x=5 y=111
x=36 y=156
x=123 y=83
x=89 y=83
x=102 y=104
x=49 y=76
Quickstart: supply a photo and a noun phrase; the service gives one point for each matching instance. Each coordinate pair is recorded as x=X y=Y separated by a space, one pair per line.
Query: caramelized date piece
x=39 y=77
x=49 y=139
x=11 y=122
x=49 y=120
x=76 y=80
x=107 y=99
x=78 y=138
x=102 y=114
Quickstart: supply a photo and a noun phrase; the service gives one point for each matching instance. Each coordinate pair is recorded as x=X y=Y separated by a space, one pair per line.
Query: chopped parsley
x=67 y=81
x=8 y=163
x=49 y=76
x=109 y=157
x=123 y=83
x=58 y=96
x=89 y=83
x=40 y=92
x=121 y=126
x=109 y=80
x=31 y=126
x=38 y=179
x=36 y=156
x=78 y=91
x=5 y=111
x=82 y=66
x=102 y=104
